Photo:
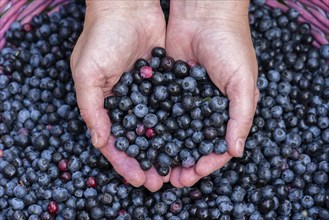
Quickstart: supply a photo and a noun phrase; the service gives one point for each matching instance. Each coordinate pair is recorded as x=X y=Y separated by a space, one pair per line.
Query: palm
x=103 y=52
x=225 y=52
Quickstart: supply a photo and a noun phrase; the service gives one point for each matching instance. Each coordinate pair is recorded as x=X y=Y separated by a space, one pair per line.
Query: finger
x=189 y=177
x=90 y=98
x=241 y=93
x=153 y=181
x=174 y=177
x=210 y=163
x=123 y=164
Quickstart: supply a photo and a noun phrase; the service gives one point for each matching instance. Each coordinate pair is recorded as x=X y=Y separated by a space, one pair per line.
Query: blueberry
x=324 y=51
x=125 y=104
x=60 y=194
x=16 y=204
x=206 y=147
x=154 y=62
x=35 y=210
x=117 y=130
x=218 y=104
x=140 y=63
x=171 y=149
x=163 y=170
x=174 y=89
x=225 y=207
x=130 y=122
x=138 y=98
x=320 y=177
x=167 y=63
x=210 y=133
x=197 y=137
x=20 y=191
x=177 y=109
x=132 y=150
x=198 y=72
x=145 y=87
x=166 y=105
x=110 y=102
x=150 y=120
x=220 y=146
x=168 y=197
x=145 y=164
x=158 y=52
x=279 y=134
x=141 y=142
x=181 y=69
x=189 y=84
x=196 y=113
x=160 y=93
x=164 y=160
x=157 y=143
x=121 y=143
x=9 y=171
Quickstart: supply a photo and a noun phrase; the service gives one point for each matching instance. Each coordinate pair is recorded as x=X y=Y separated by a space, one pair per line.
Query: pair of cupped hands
x=214 y=33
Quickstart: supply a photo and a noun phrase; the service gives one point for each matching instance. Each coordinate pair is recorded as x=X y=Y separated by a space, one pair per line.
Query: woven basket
x=23 y=11
x=314 y=12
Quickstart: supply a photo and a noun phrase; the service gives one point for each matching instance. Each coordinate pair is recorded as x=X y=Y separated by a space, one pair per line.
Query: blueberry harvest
x=167 y=115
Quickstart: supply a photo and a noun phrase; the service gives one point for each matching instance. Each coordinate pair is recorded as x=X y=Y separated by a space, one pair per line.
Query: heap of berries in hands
x=167 y=113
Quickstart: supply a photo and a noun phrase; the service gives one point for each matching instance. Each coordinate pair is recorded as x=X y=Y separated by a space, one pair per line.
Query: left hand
x=217 y=35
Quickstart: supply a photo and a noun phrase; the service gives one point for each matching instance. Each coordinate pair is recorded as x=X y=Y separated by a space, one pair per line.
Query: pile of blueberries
x=50 y=170
x=167 y=113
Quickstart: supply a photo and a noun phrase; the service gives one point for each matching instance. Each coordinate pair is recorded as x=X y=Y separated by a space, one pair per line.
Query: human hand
x=114 y=36
x=217 y=35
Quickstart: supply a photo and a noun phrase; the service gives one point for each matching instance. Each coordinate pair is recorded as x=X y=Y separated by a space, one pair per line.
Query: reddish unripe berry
x=150 y=132
x=23 y=131
x=125 y=182
x=66 y=176
x=176 y=207
x=91 y=182
x=122 y=212
x=192 y=63
x=63 y=165
x=140 y=130
x=52 y=207
x=27 y=27
x=146 y=72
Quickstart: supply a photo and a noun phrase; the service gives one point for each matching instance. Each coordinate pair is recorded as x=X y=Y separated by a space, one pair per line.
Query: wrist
x=225 y=10
x=107 y=7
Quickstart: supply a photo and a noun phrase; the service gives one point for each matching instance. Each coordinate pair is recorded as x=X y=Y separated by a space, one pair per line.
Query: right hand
x=114 y=36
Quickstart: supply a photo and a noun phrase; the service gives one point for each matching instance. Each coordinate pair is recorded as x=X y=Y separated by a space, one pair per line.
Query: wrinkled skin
x=115 y=36
x=222 y=43
x=109 y=45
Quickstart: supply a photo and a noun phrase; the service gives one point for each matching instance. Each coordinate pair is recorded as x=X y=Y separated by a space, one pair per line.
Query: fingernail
x=93 y=135
x=240 y=146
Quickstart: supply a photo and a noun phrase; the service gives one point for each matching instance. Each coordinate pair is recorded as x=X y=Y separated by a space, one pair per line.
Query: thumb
x=90 y=100
x=243 y=97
